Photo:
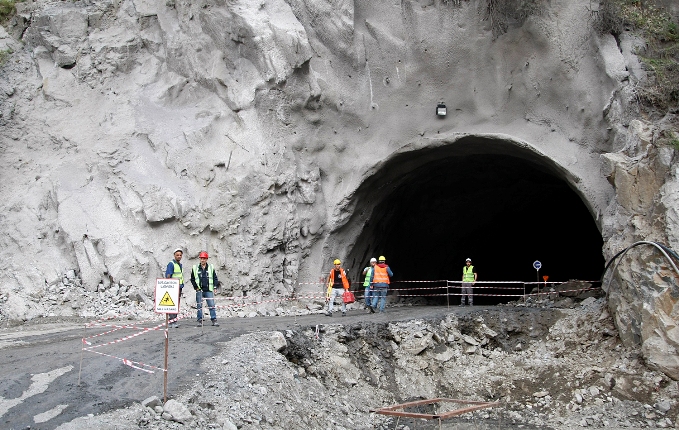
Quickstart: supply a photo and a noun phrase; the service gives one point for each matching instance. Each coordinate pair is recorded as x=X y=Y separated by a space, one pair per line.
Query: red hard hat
x=202 y=255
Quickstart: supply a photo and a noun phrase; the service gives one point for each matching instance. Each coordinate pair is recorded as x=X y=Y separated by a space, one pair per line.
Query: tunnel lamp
x=441 y=110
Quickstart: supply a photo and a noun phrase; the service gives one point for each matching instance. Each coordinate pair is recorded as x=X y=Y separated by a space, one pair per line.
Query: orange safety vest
x=345 y=281
x=381 y=276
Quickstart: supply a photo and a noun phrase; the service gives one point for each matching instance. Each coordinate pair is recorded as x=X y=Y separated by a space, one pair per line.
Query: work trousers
x=336 y=292
x=467 y=291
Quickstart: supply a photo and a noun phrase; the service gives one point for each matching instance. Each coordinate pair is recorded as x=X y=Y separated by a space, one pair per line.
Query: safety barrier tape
x=98 y=335
x=242 y=305
x=325 y=283
x=122 y=339
x=109 y=318
x=559 y=292
x=88 y=346
x=180 y=315
x=444 y=286
x=131 y=363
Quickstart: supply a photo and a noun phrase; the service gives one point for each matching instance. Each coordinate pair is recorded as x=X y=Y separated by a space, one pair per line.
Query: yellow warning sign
x=167 y=296
x=166 y=300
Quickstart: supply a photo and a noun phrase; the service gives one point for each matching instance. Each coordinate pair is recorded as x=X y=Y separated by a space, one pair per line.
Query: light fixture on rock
x=441 y=110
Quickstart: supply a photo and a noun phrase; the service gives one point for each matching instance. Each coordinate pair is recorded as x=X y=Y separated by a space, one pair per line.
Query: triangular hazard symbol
x=166 y=300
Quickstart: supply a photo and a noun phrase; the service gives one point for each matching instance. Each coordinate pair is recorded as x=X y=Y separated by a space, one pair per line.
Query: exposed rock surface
x=132 y=127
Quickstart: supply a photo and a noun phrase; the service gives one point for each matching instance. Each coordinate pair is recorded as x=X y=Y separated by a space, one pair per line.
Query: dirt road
x=41 y=362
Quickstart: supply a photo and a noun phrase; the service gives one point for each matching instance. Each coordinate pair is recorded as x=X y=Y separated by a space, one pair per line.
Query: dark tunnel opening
x=503 y=212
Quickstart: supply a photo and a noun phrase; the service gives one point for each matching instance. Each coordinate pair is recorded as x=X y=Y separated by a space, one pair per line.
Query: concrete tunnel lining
x=499 y=202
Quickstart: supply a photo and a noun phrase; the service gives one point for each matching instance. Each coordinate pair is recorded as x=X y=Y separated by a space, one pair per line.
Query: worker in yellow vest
x=468 y=279
x=368 y=272
x=175 y=270
x=204 y=280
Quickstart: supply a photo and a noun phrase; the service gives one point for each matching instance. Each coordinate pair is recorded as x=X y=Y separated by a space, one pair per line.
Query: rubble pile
x=547 y=368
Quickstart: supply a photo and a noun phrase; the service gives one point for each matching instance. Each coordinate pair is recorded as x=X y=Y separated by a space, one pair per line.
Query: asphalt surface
x=42 y=368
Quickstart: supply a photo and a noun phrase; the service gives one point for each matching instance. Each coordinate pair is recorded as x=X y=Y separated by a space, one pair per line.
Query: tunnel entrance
x=502 y=209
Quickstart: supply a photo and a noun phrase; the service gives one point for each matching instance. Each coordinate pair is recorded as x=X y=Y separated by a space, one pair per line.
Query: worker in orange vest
x=337 y=285
x=380 y=283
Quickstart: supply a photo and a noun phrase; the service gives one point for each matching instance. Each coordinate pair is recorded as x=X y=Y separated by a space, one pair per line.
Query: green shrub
x=4 y=55
x=7 y=10
x=660 y=57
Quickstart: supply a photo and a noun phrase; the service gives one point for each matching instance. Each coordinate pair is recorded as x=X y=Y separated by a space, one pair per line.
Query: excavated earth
x=550 y=364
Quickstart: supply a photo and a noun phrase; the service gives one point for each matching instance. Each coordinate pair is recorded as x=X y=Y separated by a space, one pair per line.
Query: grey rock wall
x=248 y=129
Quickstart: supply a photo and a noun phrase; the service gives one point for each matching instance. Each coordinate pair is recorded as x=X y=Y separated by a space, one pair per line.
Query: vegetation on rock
x=502 y=13
x=660 y=55
x=7 y=10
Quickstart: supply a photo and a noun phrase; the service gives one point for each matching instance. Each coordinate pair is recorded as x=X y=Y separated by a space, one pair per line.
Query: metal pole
x=82 y=350
x=299 y=287
x=167 y=345
x=447 y=295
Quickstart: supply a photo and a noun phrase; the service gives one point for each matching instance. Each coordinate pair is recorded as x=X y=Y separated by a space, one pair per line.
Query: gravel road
x=42 y=362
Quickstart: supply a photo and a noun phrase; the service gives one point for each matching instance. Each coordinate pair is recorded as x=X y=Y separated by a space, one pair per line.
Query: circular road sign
x=537 y=265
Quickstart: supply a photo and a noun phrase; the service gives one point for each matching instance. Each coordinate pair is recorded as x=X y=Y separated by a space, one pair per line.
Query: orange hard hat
x=203 y=254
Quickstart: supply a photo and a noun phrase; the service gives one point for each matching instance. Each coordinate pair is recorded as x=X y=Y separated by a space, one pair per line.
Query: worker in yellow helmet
x=379 y=282
x=337 y=285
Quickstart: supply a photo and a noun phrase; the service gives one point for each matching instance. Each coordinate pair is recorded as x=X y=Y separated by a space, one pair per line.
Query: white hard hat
x=373 y=260
x=468 y=259
x=178 y=249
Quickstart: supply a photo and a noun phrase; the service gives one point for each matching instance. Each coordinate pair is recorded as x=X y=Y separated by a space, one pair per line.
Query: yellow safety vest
x=210 y=276
x=468 y=274
x=178 y=273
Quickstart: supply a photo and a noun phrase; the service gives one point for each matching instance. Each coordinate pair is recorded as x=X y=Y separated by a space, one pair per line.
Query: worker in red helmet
x=204 y=281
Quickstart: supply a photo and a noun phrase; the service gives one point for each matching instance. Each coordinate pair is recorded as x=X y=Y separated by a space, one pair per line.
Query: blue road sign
x=537 y=265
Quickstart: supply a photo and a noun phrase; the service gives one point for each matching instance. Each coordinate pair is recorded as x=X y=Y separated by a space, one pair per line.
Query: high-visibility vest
x=178 y=272
x=368 y=274
x=468 y=274
x=381 y=275
x=210 y=276
x=331 y=279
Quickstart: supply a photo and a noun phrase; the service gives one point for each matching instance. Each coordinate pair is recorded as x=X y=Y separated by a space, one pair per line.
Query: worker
x=174 y=270
x=337 y=285
x=368 y=271
x=204 y=280
x=468 y=279
x=379 y=283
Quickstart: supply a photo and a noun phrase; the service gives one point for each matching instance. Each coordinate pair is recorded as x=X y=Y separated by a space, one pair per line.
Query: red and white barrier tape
x=88 y=346
x=131 y=363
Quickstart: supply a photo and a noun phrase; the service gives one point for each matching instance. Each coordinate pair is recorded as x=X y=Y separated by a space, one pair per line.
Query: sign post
x=167 y=302
x=537 y=265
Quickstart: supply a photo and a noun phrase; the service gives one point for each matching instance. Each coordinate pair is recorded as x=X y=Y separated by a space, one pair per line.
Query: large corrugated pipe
x=666 y=251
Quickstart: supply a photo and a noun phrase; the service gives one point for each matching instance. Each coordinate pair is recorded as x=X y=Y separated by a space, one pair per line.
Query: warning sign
x=166 y=300
x=167 y=296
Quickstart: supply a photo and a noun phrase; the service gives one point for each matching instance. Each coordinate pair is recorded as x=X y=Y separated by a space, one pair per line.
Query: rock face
x=263 y=132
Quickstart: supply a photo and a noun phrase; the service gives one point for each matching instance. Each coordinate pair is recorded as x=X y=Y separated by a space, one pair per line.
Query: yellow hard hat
x=337 y=261
x=382 y=258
